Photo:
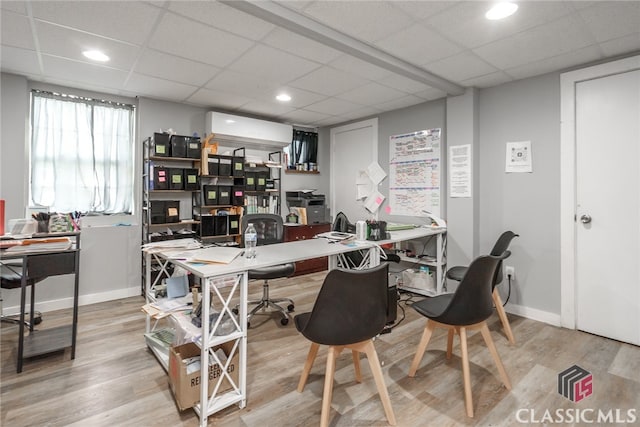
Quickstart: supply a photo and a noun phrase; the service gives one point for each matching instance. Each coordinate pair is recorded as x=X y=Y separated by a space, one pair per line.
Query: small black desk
x=38 y=263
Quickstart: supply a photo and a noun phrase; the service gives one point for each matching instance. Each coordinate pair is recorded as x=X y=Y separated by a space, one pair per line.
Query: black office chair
x=350 y=310
x=11 y=278
x=270 y=230
x=466 y=309
x=501 y=245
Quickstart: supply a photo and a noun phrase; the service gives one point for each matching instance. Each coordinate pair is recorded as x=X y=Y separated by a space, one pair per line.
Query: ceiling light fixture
x=229 y=121
x=501 y=11
x=283 y=97
x=96 y=55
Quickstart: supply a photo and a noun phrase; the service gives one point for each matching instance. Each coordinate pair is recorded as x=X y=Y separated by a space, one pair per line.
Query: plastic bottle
x=250 y=241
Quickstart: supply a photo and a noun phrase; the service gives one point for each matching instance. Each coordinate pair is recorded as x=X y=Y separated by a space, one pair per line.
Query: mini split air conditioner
x=235 y=131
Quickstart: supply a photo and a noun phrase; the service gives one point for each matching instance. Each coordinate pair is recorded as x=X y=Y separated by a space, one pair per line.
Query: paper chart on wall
x=414 y=173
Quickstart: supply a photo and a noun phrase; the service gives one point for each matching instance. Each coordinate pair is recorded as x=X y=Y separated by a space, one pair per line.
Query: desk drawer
x=303 y=232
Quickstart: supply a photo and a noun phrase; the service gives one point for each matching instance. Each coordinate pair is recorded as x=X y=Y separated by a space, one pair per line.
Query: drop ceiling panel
x=128 y=21
x=430 y=94
x=158 y=88
x=273 y=64
x=300 y=46
x=192 y=40
x=622 y=45
x=365 y=20
x=165 y=66
x=328 y=81
x=66 y=43
x=241 y=83
x=219 y=99
x=333 y=106
x=462 y=66
x=16 y=31
x=405 y=101
x=13 y=6
x=607 y=22
x=267 y=109
x=299 y=98
x=358 y=67
x=560 y=62
x=421 y=10
x=223 y=17
x=18 y=61
x=488 y=80
x=371 y=94
x=403 y=84
x=74 y=72
x=418 y=45
x=302 y=117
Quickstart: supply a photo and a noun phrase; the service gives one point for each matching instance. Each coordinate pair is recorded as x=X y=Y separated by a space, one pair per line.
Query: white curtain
x=81 y=156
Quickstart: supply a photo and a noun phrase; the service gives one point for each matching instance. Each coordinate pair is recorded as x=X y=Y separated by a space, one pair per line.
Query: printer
x=314 y=204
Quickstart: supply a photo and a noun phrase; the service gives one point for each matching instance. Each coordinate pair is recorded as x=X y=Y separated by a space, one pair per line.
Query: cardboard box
x=186 y=387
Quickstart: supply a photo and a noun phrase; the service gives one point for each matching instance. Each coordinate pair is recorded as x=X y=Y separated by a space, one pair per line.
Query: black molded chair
x=270 y=229
x=466 y=309
x=350 y=310
x=501 y=245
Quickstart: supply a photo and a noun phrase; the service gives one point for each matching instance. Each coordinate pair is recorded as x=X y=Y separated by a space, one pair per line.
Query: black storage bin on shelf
x=214 y=164
x=238 y=166
x=234 y=224
x=237 y=197
x=224 y=194
x=160 y=178
x=224 y=169
x=190 y=179
x=179 y=146
x=158 y=212
x=221 y=225
x=207 y=228
x=172 y=210
x=193 y=148
x=261 y=181
x=210 y=195
x=160 y=145
x=250 y=181
x=176 y=179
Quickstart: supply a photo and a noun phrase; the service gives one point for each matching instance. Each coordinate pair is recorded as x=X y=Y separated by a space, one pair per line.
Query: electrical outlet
x=510 y=270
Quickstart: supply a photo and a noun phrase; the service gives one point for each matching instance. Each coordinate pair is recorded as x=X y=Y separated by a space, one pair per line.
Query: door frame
x=568 y=179
x=373 y=124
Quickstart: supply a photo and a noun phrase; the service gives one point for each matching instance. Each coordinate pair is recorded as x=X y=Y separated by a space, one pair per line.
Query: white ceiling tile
x=217 y=99
x=418 y=45
x=162 y=65
x=328 y=81
x=560 y=62
x=68 y=43
x=241 y=83
x=361 y=113
x=371 y=94
x=273 y=64
x=14 y=6
x=465 y=23
x=333 y=106
x=366 y=20
x=431 y=94
x=488 y=80
x=329 y=121
x=358 y=67
x=403 y=84
x=267 y=109
x=128 y=21
x=295 y=4
x=421 y=10
x=19 y=61
x=305 y=117
x=612 y=19
x=461 y=67
x=75 y=72
x=545 y=41
x=301 y=46
x=192 y=40
x=158 y=88
x=623 y=45
x=405 y=101
x=16 y=31
x=299 y=97
x=223 y=17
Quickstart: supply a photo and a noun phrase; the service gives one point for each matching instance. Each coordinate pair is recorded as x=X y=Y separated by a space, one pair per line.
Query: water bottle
x=250 y=241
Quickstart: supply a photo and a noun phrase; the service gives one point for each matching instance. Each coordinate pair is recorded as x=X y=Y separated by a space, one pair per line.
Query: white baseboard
x=534 y=314
x=63 y=303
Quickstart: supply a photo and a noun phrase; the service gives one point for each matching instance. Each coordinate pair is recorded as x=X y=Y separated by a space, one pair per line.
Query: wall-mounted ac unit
x=235 y=131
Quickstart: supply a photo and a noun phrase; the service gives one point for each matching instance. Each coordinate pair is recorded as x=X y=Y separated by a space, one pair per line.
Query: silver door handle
x=585 y=219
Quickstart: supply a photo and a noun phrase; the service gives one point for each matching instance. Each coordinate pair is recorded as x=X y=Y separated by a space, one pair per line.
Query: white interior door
x=353 y=148
x=608 y=206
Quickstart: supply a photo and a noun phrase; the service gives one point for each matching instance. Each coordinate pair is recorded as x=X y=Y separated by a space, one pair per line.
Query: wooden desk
x=46 y=263
x=294 y=232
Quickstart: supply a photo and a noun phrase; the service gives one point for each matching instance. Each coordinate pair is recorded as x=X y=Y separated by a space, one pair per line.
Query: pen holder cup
x=43 y=226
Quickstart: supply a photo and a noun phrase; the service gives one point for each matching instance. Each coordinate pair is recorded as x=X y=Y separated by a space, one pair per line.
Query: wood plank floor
x=115 y=380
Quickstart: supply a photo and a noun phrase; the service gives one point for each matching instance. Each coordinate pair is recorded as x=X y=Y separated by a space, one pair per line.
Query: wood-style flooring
x=116 y=381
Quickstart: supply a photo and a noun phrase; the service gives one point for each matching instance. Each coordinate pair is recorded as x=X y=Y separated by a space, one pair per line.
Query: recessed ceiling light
x=283 y=97
x=501 y=11
x=96 y=55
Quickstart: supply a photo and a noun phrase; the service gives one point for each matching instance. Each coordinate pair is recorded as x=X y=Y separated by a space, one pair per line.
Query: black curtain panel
x=304 y=148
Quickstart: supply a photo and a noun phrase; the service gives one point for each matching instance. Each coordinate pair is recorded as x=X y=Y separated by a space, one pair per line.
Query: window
x=303 y=151
x=82 y=154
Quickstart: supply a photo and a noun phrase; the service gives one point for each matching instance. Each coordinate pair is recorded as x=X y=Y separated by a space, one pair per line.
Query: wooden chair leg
x=450 y=343
x=503 y=316
x=484 y=330
x=426 y=336
x=311 y=356
x=356 y=365
x=466 y=376
x=334 y=352
x=374 y=363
